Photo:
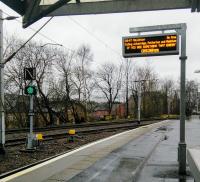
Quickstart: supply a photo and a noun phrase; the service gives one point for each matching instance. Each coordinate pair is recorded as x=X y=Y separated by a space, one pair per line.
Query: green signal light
x=30 y=90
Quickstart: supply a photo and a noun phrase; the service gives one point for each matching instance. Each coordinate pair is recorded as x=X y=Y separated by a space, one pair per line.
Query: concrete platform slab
x=163 y=164
x=64 y=175
x=123 y=163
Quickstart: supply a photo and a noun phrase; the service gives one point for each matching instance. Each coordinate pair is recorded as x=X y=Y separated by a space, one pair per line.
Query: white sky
x=104 y=35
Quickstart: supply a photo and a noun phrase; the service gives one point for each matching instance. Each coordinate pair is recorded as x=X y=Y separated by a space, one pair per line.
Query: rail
x=82 y=125
x=83 y=130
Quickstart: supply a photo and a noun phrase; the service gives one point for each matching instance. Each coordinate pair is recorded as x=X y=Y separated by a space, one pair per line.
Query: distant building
x=119 y=110
x=100 y=114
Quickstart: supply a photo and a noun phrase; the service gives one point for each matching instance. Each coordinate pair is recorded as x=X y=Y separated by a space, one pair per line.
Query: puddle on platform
x=162 y=128
x=193 y=118
x=123 y=171
x=172 y=174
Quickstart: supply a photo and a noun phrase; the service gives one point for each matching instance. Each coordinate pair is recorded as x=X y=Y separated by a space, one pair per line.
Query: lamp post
x=2 y=63
x=139 y=99
x=168 y=103
x=197 y=71
x=197 y=100
x=140 y=96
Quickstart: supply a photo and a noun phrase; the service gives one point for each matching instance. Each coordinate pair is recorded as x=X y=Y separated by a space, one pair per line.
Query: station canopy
x=33 y=10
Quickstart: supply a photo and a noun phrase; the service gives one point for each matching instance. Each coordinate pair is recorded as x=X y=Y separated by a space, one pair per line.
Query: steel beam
x=157 y=28
x=35 y=11
x=117 y=6
x=2 y=112
x=16 y=5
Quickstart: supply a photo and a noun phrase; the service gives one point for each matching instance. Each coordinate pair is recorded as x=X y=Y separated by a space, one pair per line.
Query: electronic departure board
x=150 y=45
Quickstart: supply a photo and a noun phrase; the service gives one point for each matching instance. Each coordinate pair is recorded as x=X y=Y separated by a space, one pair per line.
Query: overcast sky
x=103 y=33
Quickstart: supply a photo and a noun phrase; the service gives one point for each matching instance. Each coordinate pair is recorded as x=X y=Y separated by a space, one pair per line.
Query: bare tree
x=127 y=77
x=109 y=81
x=90 y=88
x=81 y=71
x=81 y=76
x=65 y=88
x=34 y=56
x=191 y=87
x=146 y=77
x=75 y=79
x=13 y=86
x=167 y=86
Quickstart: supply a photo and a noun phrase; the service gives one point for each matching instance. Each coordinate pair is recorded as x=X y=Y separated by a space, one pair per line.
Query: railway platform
x=145 y=154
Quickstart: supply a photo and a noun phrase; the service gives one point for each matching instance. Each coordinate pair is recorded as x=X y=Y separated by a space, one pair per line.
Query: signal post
x=30 y=74
x=31 y=114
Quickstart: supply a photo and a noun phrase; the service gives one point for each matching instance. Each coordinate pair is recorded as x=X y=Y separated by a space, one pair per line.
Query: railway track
x=20 y=138
x=69 y=126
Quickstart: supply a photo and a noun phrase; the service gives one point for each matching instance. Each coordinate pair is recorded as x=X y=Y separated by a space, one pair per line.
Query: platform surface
x=157 y=155
x=147 y=154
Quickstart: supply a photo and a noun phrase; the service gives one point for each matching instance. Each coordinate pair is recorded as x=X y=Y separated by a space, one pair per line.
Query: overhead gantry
x=33 y=10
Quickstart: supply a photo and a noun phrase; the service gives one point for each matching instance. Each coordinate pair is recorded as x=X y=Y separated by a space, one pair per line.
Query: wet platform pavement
x=150 y=158
x=146 y=154
x=121 y=164
x=162 y=166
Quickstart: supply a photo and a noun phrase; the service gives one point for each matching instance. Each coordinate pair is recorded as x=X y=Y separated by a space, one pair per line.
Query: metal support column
x=139 y=102
x=2 y=113
x=168 y=104
x=31 y=114
x=182 y=144
x=181 y=29
x=127 y=109
x=197 y=101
